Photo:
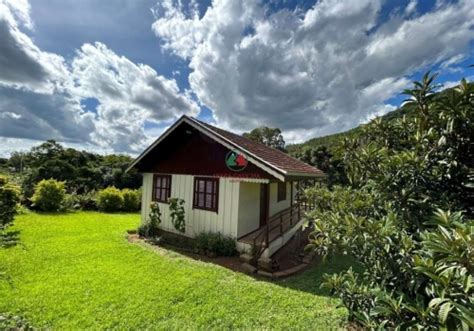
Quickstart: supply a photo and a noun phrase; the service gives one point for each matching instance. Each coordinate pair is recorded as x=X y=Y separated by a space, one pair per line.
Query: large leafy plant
x=419 y=269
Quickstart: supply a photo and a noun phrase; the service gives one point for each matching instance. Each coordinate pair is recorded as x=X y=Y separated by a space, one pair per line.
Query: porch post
x=291 y=195
x=291 y=203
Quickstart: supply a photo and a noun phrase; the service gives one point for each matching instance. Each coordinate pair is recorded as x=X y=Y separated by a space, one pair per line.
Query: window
x=206 y=193
x=281 y=191
x=161 y=188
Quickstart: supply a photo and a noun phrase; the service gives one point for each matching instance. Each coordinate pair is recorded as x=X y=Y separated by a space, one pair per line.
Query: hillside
x=332 y=142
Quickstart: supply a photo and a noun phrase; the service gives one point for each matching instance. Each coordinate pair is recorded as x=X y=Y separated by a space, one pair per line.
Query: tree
x=9 y=198
x=271 y=137
x=82 y=171
x=418 y=259
x=323 y=159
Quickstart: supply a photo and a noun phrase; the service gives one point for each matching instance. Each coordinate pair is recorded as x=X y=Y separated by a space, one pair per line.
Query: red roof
x=270 y=155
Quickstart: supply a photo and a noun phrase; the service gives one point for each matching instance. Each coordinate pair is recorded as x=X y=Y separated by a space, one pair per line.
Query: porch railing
x=278 y=224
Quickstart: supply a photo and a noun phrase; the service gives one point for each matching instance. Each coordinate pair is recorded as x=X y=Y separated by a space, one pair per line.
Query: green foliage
x=9 y=199
x=84 y=201
x=82 y=171
x=419 y=269
x=271 y=137
x=151 y=228
x=323 y=159
x=14 y=322
x=131 y=200
x=110 y=199
x=49 y=195
x=215 y=244
x=433 y=286
x=176 y=206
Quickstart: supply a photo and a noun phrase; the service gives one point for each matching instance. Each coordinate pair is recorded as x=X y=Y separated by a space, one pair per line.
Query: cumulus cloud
x=308 y=72
x=41 y=92
x=32 y=115
x=129 y=94
x=23 y=64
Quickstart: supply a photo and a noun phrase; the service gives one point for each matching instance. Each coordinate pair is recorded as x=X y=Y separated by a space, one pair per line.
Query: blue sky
x=110 y=76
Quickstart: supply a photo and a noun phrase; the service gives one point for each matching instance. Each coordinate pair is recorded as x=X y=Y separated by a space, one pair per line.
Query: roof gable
x=272 y=161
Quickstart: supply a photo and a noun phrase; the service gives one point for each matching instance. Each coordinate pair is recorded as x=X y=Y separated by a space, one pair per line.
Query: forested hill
x=333 y=141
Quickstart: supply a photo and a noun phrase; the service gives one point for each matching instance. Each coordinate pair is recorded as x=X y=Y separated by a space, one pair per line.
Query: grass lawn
x=76 y=271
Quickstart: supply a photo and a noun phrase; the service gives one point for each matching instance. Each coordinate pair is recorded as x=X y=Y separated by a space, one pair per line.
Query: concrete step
x=247 y=258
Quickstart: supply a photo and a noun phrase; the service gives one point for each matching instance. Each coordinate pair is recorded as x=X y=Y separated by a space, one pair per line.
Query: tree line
x=82 y=171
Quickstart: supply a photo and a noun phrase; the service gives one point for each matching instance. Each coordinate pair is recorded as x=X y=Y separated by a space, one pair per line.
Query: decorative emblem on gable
x=236 y=160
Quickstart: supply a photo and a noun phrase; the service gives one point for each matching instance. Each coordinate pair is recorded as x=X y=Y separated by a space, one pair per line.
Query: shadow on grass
x=230 y=262
x=311 y=279
x=9 y=238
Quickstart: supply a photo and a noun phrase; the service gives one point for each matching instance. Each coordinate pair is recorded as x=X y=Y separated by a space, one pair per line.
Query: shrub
x=131 y=199
x=215 y=243
x=13 y=322
x=49 y=195
x=86 y=201
x=425 y=286
x=176 y=206
x=9 y=198
x=110 y=199
x=419 y=268
x=151 y=227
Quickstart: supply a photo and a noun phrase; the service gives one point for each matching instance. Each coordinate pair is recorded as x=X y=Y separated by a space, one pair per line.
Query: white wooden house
x=229 y=183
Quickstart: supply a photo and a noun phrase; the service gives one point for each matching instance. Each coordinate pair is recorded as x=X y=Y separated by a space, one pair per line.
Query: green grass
x=76 y=271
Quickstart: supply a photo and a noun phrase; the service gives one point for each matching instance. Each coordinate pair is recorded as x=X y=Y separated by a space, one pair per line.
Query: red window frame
x=161 y=193
x=281 y=195
x=206 y=193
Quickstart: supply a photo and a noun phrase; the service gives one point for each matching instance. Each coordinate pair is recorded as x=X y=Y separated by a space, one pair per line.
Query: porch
x=279 y=228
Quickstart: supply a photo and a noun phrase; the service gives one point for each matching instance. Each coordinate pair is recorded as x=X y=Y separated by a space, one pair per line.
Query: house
x=229 y=183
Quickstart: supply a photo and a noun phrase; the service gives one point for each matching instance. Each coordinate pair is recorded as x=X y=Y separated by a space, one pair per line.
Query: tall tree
x=271 y=137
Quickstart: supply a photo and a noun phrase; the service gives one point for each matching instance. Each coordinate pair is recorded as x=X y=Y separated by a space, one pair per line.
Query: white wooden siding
x=224 y=221
x=249 y=208
x=276 y=206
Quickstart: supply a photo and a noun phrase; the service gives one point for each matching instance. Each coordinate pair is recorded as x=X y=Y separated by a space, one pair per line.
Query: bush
x=215 y=244
x=110 y=199
x=49 y=195
x=423 y=286
x=13 y=322
x=418 y=268
x=9 y=198
x=131 y=199
x=150 y=228
x=86 y=201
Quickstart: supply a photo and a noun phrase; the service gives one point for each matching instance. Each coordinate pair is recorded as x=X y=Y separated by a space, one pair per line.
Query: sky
x=110 y=76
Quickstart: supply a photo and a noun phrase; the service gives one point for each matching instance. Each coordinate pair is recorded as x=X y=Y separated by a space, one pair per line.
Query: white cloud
x=129 y=94
x=23 y=64
x=309 y=73
x=41 y=92
x=411 y=7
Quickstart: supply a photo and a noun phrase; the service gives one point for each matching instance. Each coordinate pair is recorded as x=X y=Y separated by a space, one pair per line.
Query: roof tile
x=270 y=155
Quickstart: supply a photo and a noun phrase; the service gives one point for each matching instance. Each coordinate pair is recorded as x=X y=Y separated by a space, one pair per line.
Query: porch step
x=267 y=264
x=247 y=258
x=248 y=268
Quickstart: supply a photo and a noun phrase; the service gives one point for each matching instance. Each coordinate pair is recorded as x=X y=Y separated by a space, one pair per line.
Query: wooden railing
x=278 y=224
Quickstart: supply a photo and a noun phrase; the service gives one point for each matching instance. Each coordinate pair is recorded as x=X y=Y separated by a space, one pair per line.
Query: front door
x=264 y=201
